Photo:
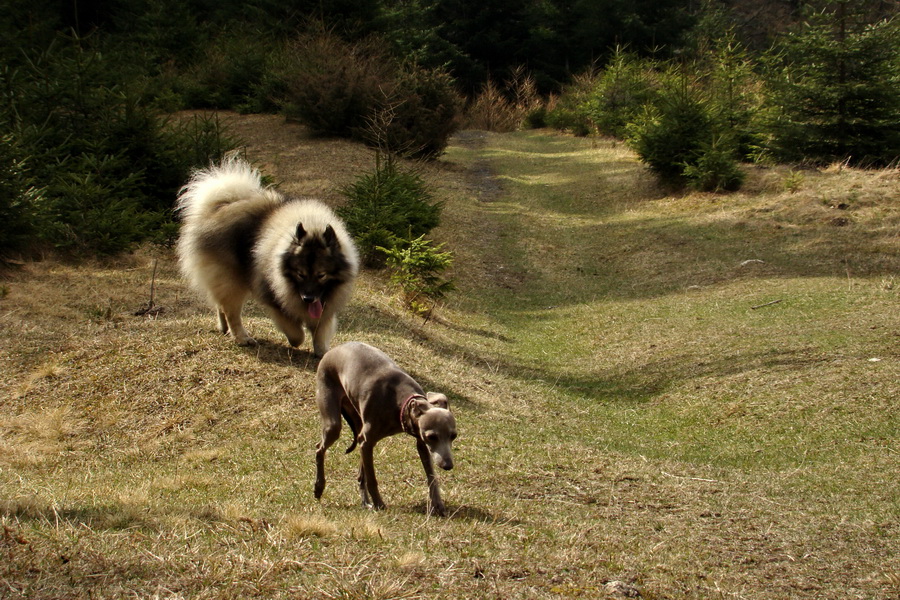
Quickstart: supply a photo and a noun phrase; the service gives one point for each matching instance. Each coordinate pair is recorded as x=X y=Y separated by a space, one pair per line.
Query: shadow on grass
x=463 y=512
x=622 y=385
x=280 y=354
x=625 y=385
x=612 y=388
x=101 y=517
x=110 y=517
x=470 y=330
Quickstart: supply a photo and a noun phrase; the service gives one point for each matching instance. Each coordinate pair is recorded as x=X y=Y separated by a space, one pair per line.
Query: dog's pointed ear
x=330 y=237
x=437 y=399
x=301 y=232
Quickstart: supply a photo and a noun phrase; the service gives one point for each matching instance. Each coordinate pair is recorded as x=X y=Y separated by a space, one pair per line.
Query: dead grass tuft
x=47 y=371
x=37 y=437
x=365 y=528
x=55 y=425
x=411 y=560
x=204 y=455
x=27 y=507
x=299 y=526
x=364 y=583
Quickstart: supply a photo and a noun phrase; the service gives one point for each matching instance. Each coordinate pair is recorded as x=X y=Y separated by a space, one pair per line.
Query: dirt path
x=481 y=176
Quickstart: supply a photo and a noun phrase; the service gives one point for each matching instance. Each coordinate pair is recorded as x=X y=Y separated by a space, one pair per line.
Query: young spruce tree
x=834 y=88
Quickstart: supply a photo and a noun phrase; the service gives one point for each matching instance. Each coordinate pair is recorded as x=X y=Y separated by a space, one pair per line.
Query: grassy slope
x=625 y=412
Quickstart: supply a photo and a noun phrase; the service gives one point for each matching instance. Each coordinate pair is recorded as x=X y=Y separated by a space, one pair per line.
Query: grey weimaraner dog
x=378 y=399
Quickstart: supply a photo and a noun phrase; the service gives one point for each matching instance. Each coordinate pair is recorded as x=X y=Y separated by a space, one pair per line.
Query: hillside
x=659 y=395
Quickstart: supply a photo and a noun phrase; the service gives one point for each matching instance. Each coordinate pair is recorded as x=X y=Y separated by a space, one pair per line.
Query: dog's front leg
x=368 y=485
x=434 y=491
x=292 y=330
x=323 y=333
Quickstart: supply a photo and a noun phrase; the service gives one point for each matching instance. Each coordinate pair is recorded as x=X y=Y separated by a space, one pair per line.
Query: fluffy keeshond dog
x=241 y=239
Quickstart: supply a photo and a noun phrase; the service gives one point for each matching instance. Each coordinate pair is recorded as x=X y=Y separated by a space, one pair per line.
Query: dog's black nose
x=444 y=462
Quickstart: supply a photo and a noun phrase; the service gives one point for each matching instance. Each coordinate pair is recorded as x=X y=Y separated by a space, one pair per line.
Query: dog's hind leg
x=229 y=303
x=330 y=434
x=228 y=295
x=233 y=323
x=368 y=485
x=223 y=322
x=328 y=438
x=363 y=491
x=329 y=396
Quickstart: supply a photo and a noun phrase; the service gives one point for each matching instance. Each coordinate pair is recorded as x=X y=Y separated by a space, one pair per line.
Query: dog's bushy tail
x=208 y=189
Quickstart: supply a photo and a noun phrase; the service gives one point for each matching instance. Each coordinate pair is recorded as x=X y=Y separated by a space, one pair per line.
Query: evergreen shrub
x=423 y=115
x=333 y=86
x=228 y=74
x=679 y=138
x=714 y=169
x=833 y=89
x=18 y=197
x=387 y=205
x=568 y=112
x=618 y=94
x=670 y=133
x=338 y=88
x=418 y=267
x=108 y=165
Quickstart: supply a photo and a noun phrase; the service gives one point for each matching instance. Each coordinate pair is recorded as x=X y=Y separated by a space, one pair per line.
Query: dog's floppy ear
x=419 y=406
x=438 y=400
x=301 y=232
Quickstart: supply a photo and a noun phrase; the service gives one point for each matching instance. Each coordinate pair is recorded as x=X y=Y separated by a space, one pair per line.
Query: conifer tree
x=834 y=88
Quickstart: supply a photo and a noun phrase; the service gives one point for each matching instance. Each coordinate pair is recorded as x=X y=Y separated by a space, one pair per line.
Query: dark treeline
x=473 y=39
x=90 y=161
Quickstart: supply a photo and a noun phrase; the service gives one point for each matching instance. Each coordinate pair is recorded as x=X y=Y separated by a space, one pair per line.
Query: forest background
x=91 y=160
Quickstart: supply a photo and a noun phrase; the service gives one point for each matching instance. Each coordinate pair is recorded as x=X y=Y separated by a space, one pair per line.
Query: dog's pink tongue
x=315 y=309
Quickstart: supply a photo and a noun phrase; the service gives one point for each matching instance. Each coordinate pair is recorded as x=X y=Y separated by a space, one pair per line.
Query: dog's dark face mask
x=314 y=266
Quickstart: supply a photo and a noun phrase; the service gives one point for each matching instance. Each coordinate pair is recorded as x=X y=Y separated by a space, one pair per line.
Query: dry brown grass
x=628 y=422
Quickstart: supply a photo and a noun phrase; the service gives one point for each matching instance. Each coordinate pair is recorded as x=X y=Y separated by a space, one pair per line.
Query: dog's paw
x=246 y=341
x=438 y=510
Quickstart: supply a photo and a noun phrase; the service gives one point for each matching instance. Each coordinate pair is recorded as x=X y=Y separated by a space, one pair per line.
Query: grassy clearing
x=632 y=408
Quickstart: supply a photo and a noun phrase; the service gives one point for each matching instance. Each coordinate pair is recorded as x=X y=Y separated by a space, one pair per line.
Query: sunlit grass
x=636 y=403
